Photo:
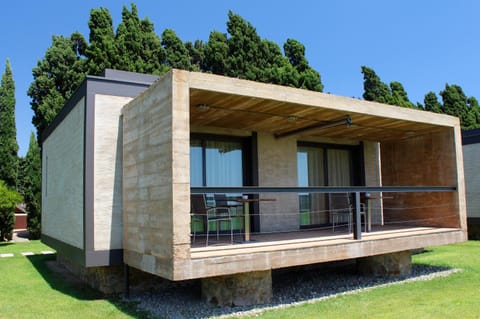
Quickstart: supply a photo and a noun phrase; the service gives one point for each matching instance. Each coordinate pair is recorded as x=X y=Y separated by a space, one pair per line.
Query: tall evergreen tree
x=31 y=183
x=399 y=95
x=8 y=132
x=101 y=52
x=455 y=103
x=138 y=47
x=56 y=77
x=176 y=54
x=474 y=109
x=431 y=103
x=196 y=52
x=374 y=88
x=216 y=53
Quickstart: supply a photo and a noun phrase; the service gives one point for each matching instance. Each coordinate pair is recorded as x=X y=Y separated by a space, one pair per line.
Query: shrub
x=8 y=200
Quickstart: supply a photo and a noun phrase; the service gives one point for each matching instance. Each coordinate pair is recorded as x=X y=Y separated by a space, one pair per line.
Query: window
x=216 y=162
x=323 y=165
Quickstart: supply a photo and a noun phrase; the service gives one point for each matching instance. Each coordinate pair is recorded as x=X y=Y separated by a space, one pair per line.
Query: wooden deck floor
x=300 y=239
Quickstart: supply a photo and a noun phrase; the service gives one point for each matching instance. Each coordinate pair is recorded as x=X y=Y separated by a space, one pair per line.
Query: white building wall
x=471 y=156
x=62 y=179
x=108 y=172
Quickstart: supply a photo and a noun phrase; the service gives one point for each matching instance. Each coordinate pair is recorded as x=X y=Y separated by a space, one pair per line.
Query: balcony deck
x=303 y=239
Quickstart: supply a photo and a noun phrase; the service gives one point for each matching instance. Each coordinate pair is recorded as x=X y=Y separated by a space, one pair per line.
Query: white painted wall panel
x=62 y=179
x=108 y=172
x=471 y=159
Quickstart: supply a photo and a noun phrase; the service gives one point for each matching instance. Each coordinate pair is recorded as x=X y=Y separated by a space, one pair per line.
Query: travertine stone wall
x=393 y=264
x=108 y=172
x=471 y=156
x=238 y=290
x=373 y=177
x=277 y=166
x=62 y=179
x=156 y=177
x=426 y=160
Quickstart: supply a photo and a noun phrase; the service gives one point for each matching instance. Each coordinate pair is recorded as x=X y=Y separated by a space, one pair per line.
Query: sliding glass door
x=322 y=165
x=218 y=161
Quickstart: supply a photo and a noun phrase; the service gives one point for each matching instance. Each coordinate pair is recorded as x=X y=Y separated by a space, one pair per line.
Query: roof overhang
x=223 y=102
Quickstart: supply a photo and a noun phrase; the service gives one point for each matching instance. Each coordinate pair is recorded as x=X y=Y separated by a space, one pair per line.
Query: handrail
x=322 y=189
x=357 y=233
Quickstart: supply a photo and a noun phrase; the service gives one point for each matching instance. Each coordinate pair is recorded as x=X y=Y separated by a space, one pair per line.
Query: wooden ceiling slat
x=241 y=112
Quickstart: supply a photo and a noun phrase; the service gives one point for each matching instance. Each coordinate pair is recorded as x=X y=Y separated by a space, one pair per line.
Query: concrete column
x=393 y=264
x=239 y=289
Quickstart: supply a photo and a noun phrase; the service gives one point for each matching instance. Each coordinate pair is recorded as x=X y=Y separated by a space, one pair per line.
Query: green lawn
x=28 y=289
x=455 y=296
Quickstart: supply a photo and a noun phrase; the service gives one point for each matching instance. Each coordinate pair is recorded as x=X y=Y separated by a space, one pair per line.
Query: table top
x=251 y=200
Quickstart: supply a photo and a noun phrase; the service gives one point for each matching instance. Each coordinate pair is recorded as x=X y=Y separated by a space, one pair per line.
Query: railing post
x=357 y=221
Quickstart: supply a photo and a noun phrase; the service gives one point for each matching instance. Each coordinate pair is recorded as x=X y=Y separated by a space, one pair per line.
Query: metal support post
x=357 y=220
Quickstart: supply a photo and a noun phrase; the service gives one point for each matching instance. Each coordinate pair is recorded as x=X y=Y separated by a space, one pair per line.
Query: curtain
x=224 y=163
x=311 y=173
x=196 y=163
x=339 y=167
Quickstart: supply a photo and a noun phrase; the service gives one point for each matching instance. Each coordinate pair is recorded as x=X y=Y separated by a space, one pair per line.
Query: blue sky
x=422 y=44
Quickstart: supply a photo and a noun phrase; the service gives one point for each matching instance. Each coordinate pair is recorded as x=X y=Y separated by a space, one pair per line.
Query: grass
x=29 y=289
x=455 y=296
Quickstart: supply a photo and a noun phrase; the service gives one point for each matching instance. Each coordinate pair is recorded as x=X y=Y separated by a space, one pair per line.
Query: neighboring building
x=123 y=157
x=471 y=156
x=20 y=218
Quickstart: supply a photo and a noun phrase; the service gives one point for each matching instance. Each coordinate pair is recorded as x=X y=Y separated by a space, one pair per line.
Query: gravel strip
x=290 y=288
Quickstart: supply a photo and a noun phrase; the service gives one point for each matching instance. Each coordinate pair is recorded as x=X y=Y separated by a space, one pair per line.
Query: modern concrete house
x=471 y=151
x=124 y=156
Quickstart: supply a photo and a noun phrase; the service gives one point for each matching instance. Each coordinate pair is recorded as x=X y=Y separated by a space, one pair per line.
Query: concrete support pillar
x=393 y=264
x=239 y=289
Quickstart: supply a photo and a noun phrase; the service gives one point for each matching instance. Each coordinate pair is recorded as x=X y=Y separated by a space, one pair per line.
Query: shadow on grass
x=5 y=244
x=62 y=280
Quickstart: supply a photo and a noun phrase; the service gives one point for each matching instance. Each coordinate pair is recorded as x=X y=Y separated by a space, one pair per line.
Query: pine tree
x=455 y=103
x=431 y=103
x=8 y=132
x=31 y=183
x=216 y=53
x=138 y=47
x=56 y=77
x=176 y=54
x=399 y=95
x=374 y=88
x=101 y=51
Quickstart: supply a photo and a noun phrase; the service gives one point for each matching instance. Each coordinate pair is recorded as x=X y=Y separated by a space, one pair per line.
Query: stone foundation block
x=239 y=289
x=394 y=264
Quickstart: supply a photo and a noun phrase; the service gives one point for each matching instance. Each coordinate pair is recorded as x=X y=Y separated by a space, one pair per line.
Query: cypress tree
x=138 y=47
x=176 y=54
x=8 y=132
x=56 y=77
x=431 y=103
x=399 y=95
x=374 y=88
x=455 y=103
x=101 y=51
x=31 y=183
